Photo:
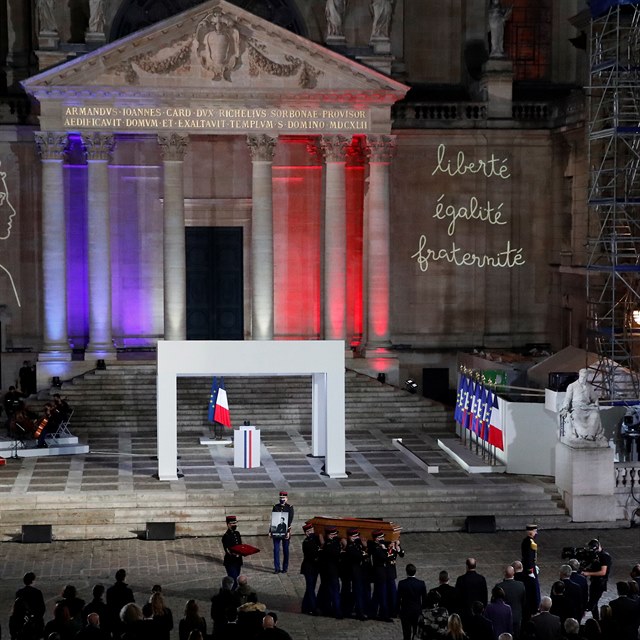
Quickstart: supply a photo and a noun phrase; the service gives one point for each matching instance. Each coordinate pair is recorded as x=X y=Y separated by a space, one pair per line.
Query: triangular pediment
x=214 y=55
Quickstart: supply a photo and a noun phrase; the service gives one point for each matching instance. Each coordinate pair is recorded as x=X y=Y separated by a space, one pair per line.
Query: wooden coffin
x=364 y=525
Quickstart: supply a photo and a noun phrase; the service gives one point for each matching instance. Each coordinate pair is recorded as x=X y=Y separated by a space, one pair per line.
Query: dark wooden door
x=214 y=283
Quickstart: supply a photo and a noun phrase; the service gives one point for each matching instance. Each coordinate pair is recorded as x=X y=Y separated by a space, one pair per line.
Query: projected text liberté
x=473 y=209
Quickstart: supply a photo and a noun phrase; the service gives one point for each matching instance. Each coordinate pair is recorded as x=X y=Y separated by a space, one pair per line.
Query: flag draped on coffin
x=495 y=426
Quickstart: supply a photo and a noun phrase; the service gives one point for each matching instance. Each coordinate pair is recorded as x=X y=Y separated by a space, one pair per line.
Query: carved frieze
x=218 y=46
x=260 y=62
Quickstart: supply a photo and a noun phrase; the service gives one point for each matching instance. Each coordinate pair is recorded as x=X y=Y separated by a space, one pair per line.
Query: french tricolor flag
x=221 y=413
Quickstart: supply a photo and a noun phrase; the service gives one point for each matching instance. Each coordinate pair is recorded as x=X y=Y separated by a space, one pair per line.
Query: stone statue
x=382 y=11
x=46 y=16
x=498 y=15
x=582 y=410
x=334 y=12
x=97 y=17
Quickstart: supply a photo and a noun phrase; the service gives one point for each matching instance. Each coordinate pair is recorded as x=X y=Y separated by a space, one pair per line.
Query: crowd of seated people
x=113 y=614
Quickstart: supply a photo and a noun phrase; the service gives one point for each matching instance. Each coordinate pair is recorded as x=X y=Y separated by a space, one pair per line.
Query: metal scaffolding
x=613 y=268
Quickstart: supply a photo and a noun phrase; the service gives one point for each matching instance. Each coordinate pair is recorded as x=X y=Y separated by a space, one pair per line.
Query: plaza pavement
x=191 y=567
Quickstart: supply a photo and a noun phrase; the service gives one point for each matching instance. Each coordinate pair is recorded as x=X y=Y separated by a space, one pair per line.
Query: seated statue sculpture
x=582 y=410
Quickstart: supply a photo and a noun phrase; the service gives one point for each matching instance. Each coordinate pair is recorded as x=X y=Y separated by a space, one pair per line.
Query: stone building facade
x=292 y=169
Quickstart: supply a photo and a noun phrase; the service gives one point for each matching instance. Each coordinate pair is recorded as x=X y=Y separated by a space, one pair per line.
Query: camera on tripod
x=586 y=556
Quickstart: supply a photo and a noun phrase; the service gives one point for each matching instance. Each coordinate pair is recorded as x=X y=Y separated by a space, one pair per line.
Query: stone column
x=334 y=299
x=99 y=148
x=377 y=250
x=55 y=345
x=262 y=148
x=173 y=147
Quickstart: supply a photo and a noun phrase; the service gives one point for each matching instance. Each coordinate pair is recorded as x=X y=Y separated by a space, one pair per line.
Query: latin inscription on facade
x=454 y=211
x=218 y=118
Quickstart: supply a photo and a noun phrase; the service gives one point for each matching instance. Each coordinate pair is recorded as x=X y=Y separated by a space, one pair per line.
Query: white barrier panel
x=323 y=360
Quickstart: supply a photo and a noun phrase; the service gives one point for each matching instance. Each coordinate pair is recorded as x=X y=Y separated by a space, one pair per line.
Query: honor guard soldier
x=329 y=572
x=310 y=568
x=529 y=552
x=379 y=559
x=356 y=576
x=232 y=561
x=285 y=510
x=394 y=551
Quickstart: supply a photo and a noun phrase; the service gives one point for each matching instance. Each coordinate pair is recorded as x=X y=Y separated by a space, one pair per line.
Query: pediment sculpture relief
x=219 y=47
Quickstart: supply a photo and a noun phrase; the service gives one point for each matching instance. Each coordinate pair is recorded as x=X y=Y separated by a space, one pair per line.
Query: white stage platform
x=63 y=446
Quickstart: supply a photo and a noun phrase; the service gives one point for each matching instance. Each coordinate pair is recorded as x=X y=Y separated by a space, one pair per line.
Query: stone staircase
x=123 y=398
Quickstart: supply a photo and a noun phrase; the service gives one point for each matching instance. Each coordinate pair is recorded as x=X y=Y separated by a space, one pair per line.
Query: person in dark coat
x=514 y=596
x=572 y=593
x=531 y=598
x=447 y=595
x=499 y=612
x=560 y=606
x=223 y=604
x=32 y=597
x=471 y=587
x=249 y=620
x=581 y=581
x=310 y=568
x=92 y=629
x=626 y=613
x=547 y=625
x=477 y=626
x=412 y=599
x=118 y=595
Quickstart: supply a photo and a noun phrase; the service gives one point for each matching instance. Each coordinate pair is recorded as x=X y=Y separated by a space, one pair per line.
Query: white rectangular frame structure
x=323 y=360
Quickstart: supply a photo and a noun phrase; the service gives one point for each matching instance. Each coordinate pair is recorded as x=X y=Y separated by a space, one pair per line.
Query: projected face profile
x=7 y=214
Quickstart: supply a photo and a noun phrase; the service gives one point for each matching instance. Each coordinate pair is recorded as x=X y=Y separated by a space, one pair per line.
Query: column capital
x=173 y=146
x=357 y=152
x=99 y=146
x=262 y=147
x=51 y=145
x=314 y=150
x=334 y=148
x=381 y=147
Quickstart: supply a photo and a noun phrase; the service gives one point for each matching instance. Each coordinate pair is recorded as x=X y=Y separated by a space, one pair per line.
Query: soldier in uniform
x=379 y=558
x=355 y=575
x=329 y=572
x=394 y=551
x=232 y=561
x=284 y=508
x=309 y=568
x=529 y=552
